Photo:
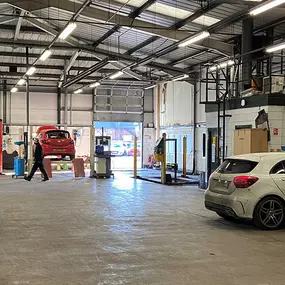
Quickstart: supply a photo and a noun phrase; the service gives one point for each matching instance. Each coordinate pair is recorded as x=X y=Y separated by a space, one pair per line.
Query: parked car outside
x=56 y=142
x=118 y=148
x=251 y=187
x=131 y=150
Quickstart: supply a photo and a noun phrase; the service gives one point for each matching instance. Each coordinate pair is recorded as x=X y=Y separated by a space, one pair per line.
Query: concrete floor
x=123 y=231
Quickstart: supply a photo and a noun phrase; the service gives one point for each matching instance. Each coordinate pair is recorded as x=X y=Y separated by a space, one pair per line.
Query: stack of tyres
x=19 y=166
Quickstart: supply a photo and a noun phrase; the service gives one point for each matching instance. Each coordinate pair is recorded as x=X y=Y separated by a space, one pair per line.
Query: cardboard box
x=250 y=141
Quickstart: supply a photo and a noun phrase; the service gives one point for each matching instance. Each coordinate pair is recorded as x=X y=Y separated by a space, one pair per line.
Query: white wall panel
x=176 y=104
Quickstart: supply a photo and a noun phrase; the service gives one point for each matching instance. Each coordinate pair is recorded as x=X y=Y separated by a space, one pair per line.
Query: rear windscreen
x=57 y=135
x=237 y=166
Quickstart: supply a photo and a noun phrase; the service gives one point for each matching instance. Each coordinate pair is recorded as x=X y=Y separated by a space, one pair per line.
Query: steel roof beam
x=176 y=26
x=55 y=77
x=74 y=42
x=132 y=15
x=53 y=56
x=6 y=19
x=55 y=67
x=19 y=24
x=91 y=50
x=152 y=28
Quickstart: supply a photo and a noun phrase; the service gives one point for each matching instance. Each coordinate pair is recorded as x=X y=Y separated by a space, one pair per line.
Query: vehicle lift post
x=92 y=151
x=184 y=157
x=135 y=157
x=163 y=162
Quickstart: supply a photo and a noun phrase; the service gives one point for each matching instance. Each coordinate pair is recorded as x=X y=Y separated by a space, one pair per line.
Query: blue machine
x=19 y=166
x=19 y=163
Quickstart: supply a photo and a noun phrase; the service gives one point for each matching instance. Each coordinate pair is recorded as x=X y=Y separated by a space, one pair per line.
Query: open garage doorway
x=122 y=146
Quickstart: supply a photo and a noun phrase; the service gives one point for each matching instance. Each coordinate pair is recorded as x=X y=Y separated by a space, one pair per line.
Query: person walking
x=38 y=162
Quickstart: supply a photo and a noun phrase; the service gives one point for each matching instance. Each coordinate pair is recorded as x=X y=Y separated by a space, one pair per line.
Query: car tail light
x=71 y=142
x=244 y=181
x=45 y=142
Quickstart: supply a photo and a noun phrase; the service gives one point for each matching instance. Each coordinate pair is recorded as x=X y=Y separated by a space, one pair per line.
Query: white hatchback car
x=250 y=186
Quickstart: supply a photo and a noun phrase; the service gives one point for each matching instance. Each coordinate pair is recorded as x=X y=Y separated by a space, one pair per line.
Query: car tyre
x=227 y=218
x=71 y=157
x=269 y=213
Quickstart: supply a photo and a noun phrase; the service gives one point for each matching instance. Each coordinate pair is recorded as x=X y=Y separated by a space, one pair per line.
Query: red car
x=131 y=152
x=56 y=142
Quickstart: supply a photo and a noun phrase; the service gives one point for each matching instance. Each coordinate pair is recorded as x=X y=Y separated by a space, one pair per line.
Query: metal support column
x=184 y=157
x=219 y=110
x=135 y=157
x=282 y=61
x=163 y=163
x=27 y=89
x=247 y=44
x=30 y=152
x=92 y=151
x=5 y=101
x=58 y=106
x=158 y=111
x=1 y=146
x=65 y=97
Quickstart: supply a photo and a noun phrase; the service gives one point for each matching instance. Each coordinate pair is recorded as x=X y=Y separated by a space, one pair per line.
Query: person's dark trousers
x=38 y=164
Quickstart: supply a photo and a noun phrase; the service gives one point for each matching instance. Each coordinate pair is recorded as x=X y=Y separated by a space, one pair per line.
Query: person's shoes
x=27 y=178
x=45 y=179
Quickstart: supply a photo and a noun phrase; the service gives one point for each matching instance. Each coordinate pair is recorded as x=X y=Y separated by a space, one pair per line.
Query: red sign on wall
x=275 y=132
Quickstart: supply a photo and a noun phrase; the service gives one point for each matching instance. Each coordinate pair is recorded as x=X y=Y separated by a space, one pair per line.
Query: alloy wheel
x=271 y=213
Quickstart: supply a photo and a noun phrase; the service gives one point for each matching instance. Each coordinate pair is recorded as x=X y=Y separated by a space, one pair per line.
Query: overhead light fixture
x=112 y=60
x=21 y=82
x=45 y=55
x=78 y=91
x=222 y=65
x=93 y=85
x=67 y=31
x=150 y=87
x=195 y=38
x=266 y=6
x=14 y=89
x=275 y=48
x=31 y=70
x=184 y=76
x=117 y=74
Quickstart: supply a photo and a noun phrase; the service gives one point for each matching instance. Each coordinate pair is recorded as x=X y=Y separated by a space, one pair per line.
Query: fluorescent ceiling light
x=195 y=38
x=78 y=91
x=116 y=75
x=31 y=70
x=112 y=60
x=150 y=87
x=45 y=55
x=14 y=89
x=276 y=47
x=184 y=76
x=67 y=31
x=266 y=6
x=96 y=84
x=21 y=82
x=222 y=65
x=135 y=3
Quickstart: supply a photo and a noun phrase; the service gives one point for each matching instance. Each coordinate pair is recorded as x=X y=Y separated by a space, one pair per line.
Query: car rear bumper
x=55 y=150
x=220 y=209
x=239 y=204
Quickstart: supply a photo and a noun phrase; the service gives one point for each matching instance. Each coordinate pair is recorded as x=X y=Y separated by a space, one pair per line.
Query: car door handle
x=283 y=179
